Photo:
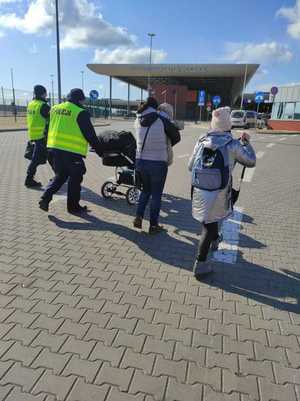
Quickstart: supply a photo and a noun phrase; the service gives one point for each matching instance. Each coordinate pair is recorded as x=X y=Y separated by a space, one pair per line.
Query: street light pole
x=151 y=35
x=244 y=86
x=82 y=80
x=52 y=90
x=13 y=93
x=58 y=51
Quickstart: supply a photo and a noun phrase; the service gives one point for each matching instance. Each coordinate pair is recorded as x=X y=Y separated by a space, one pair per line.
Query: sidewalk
x=8 y=124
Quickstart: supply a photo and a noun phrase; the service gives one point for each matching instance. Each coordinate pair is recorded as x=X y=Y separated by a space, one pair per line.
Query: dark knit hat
x=76 y=95
x=39 y=90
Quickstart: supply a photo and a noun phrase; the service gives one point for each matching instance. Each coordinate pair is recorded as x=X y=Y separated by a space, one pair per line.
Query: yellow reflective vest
x=64 y=132
x=36 y=123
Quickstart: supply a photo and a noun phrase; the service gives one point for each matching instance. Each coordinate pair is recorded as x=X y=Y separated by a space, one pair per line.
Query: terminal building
x=179 y=84
x=286 y=109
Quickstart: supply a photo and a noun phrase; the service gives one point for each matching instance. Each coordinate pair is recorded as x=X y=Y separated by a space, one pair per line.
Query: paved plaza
x=93 y=310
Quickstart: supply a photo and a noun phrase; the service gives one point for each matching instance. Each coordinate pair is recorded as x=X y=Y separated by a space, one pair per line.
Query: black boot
x=31 y=183
x=78 y=209
x=44 y=205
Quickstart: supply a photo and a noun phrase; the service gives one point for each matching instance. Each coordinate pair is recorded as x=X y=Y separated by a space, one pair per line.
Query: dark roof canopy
x=215 y=78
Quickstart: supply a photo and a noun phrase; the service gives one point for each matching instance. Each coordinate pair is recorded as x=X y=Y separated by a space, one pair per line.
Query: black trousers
x=39 y=157
x=209 y=234
x=67 y=167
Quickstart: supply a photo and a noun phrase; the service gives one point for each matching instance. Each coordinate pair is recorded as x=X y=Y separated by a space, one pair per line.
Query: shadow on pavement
x=161 y=247
x=175 y=210
x=259 y=284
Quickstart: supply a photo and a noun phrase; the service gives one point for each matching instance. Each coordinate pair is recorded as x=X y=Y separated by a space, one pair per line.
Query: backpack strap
x=144 y=141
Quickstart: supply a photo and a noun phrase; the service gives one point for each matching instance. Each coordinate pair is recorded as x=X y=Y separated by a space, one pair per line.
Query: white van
x=239 y=118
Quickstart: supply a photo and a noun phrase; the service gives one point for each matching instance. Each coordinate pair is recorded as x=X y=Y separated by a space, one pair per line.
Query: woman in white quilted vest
x=211 y=207
x=153 y=131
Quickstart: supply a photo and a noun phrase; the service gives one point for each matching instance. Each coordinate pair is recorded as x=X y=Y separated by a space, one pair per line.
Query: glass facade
x=286 y=111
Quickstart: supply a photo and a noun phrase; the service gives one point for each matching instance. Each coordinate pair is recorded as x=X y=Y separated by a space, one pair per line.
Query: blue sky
x=193 y=31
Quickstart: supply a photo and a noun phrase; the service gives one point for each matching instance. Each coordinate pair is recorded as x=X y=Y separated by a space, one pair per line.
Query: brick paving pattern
x=92 y=310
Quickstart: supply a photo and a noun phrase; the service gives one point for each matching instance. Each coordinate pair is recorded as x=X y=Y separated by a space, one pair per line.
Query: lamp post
x=82 y=80
x=244 y=86
x=52 y=89
x=151 y=35
x=58 y=51
x=13 y=93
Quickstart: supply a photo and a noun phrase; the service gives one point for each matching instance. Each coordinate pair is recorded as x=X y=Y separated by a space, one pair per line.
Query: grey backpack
x=211 y=168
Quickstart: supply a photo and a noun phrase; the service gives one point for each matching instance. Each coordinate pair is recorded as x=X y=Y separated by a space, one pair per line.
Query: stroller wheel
x=132 y=196
x=108 y=189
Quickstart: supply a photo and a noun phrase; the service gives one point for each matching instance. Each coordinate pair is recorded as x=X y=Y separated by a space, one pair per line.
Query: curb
x=25 y=129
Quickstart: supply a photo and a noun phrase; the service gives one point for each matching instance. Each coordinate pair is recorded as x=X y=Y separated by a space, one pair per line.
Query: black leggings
x=209 y=234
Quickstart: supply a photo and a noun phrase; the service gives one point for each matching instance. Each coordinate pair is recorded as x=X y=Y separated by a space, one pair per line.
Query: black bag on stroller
x=119 y=148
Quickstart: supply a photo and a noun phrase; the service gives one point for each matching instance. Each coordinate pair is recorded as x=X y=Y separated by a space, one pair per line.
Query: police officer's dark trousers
x=67 y=166
x=39 y=156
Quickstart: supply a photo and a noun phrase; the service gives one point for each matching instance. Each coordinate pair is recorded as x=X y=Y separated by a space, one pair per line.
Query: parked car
x=239 y=118
x=251 y=117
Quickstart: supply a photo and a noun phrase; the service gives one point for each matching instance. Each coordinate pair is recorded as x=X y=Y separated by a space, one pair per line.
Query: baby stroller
x=119 y=150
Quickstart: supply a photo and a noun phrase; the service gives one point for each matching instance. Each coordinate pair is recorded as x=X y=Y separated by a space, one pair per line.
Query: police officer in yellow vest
x=37 y=123
x=70 y=133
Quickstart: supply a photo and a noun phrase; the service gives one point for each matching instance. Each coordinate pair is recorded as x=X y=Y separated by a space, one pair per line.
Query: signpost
x=273 y=93
x=201 y=101
x=94 y=96
x=259 y=98
x=216 y=100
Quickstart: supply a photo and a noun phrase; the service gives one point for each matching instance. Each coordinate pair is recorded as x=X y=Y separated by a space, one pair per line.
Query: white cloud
x=2 y=34
x=81 y=24
x=128 y=55
x=292 y=14
x=267 y=52
x=9 y=1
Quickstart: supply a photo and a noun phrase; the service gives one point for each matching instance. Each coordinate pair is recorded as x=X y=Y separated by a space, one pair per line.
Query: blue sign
x=201 y=98
x=216 y=100
x=259 y=97
x=94 y=94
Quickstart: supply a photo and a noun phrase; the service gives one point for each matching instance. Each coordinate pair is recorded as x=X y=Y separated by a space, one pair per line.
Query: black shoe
x=202 y=269
x=31 y=183
x=44 y=205
x=78 y=209
x=138 y=222
x=156 y=229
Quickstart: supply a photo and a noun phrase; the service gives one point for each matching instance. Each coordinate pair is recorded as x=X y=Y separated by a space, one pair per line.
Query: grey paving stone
x=21 y=353
x=53 y=384
x=18 y=394
x=51 y=341
x=218 y=359
x=21 y=376
x=202 y=375
x=271 y=391
x=154 y=386
x=79 y=347
x=135 y=360
x=107 y=336
x=160 y=347
x=182 y=392
x=82 y=368
x=176 y=369
x=103 y=353
x=117 y=395
x=247 y=385
x=135 y=341
x=51 y=361
x=115 y=376
x=22 y=334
